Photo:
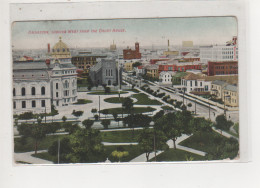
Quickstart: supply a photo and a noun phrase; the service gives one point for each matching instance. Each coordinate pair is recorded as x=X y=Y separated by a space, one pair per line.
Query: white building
x=165 y=77
x=38 y=85
x=194 y=82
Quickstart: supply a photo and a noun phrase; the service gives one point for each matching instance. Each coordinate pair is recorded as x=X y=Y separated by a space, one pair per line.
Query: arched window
x=43 y=90
x=33 y=91
x=14 y=93
x=23 y=91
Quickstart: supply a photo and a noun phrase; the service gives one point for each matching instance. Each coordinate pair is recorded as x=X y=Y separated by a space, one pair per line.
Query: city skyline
x=124 y=32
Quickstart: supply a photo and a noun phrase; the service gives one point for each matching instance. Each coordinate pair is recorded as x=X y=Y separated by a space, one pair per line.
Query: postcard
x=125 y=90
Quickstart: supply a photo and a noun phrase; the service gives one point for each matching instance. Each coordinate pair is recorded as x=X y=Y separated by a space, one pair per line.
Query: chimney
x=49 y=48
x=168 y=45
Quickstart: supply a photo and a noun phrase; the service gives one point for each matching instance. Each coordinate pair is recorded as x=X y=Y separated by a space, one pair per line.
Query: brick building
x=180 y=68
x=132 y=54
x=222 y=67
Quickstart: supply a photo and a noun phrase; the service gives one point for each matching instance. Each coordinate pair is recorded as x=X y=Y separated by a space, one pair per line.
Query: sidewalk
x=28 y=158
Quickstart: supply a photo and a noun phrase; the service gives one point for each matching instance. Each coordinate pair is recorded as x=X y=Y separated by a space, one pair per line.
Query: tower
x=137 y=47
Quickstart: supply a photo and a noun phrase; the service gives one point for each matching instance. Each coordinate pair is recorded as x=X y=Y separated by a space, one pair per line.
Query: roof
x=140 y=67
x=191 y=76
x=167 y=72
x=29 y=65
x=154 y=66
x=30 y=75
x=219 y=82
x=90 y=55
x=180 y=74
x=230 y=87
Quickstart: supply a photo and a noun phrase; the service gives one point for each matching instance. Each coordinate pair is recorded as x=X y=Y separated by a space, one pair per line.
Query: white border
x=127 y=175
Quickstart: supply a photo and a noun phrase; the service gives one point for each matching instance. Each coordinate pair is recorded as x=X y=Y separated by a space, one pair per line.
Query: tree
x=115 y=117
x=107 y=89
x=222 y=123
x=200 y=125
x=133 y=86
x=150 y=140
x=88 y=123
x=86 y=146
x=89 y=88
x=173 y=125
x=93 y=111
x=64 y=119
x=105 y=123
x=136 y=64
x=36 y=131
x=128 y=105
x=158 y=115
x=96 y=117
x=65 y=149
x=105 y=112
x=77 y=113
x=26 y=116
x=119 y=153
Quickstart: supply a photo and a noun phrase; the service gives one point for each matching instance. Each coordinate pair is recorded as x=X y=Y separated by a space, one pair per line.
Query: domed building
x=60 y=50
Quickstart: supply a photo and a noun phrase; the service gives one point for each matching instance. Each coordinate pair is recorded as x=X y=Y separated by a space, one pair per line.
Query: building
x=139 y=70
x=31 y=87
x=165 y=77
x=128 y=66
x=230 y=95
x=170 y=52
x=105 y=72
x=39 y=84
x=180 y=67
x=132 y=54
x=217 y=87
x=186 y=44
x=26 y=58
x=222 y=68
x=228 y=52
x=85 y=60
x=112 y=47
x=195 y=83
x=152 y=71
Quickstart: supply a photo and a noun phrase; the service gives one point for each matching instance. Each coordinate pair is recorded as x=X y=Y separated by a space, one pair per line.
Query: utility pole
x=209 y=109
x=195 y=105
x=45 y=113
x=99 y=105
x=58 y=150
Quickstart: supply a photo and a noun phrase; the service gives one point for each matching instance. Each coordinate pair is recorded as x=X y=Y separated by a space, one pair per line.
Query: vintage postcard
x=125 y=90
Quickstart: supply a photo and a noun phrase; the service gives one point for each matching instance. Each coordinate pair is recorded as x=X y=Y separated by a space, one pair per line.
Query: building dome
x=60 y=50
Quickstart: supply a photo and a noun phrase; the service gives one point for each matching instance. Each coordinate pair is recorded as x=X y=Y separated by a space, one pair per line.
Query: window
x=33 y=90
x=23 y=104
x=33 y=104
x=43 y=90
x=23 y=91
x=57 y=94
x=14 y=105
x=200 y=83
x=191 y=83
x=14 y=93
x=206 y=88
x=196 y=83
x=57 y=85
x=43 y=103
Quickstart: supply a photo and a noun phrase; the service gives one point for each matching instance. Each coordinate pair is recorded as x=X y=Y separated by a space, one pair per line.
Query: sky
x=148 y=32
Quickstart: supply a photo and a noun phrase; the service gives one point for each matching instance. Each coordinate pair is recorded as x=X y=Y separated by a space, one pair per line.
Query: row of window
x=227 y=72
x=109 y=72
x=33 y=104
x=226 y=67
x=58 y=50
x=33 y=91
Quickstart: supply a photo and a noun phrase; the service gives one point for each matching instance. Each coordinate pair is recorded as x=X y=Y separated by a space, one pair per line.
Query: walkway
x=223 y=133
x=28 y=158
x=119 y=144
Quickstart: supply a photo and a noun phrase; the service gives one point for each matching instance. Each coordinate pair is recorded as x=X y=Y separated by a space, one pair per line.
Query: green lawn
x=103 y=93
x=45 y=156
x=216 y=145
x=133 y=151
x=28 y=144
x=120 y=136
x=83 y=101
x=166 y=108
x=114 y=100
x=143 y=99
x=177 y=155
x=136 y=110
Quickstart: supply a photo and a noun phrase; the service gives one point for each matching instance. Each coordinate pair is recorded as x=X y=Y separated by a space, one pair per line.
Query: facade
x=132 y=54
x=31 y=87
x=128 y=66
x=193 y=82
x=152 y=71
x=112 y=47
x=139 y=70
x=227 y=52
x=38 y=85
x=85 y=60
x=222 y=68
x=217 y=88
x=104 y=72
x=165 y=77
x=180 y=67
x=230 y=95
x=186 y=44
